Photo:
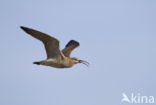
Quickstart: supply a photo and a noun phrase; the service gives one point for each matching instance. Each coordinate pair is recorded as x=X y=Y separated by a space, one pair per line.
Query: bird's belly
x=56 y=64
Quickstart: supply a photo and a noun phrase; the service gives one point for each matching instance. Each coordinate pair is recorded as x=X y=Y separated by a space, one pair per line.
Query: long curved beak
x=84 y=62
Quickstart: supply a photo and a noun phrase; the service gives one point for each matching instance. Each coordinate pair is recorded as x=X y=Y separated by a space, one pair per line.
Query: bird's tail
x=37 y=63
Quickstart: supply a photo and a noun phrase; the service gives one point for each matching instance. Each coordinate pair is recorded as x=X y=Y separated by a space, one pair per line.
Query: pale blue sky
x=117 y=37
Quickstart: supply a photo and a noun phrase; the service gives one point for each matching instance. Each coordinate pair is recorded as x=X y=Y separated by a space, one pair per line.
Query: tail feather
x=37 y=63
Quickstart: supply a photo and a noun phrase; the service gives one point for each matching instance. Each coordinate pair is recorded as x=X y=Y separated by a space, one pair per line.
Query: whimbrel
x=55 y=57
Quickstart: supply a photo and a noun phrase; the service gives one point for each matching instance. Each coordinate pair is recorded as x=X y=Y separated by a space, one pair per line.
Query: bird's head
x=76 y=60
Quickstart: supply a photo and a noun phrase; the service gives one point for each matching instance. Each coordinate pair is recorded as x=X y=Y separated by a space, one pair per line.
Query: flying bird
x=55 y=57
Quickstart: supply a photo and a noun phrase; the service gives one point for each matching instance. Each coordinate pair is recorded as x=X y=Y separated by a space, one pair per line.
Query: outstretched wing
x=51 y=44
x=70 y=47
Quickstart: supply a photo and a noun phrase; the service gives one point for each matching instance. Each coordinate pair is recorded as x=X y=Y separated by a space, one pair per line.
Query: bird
x=55 y=57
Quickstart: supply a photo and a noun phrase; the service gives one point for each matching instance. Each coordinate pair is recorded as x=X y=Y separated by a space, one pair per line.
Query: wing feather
x=51 y=44
x=70 y=47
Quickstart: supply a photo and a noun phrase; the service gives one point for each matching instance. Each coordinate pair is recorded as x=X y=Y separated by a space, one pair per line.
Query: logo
x=137 y=99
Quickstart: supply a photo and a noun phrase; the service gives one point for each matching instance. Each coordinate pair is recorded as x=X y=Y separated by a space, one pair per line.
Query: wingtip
x=73 y=42
x=22 y=27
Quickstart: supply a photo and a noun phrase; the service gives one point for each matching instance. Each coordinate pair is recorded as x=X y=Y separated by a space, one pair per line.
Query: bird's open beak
x=84 y=62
